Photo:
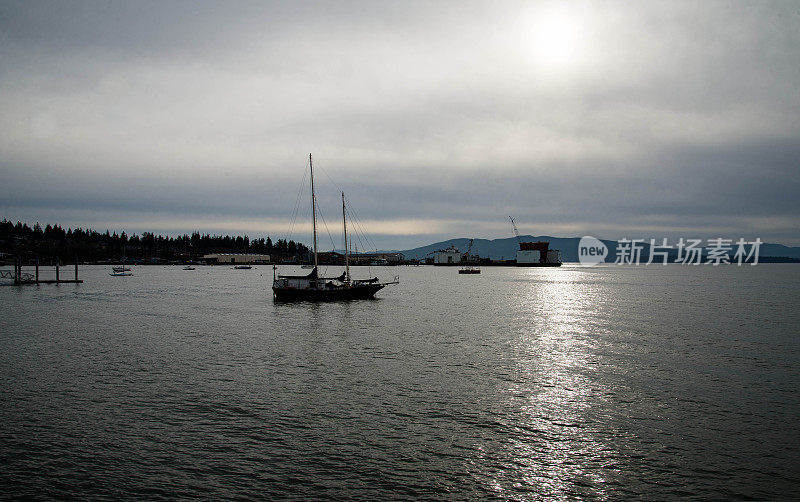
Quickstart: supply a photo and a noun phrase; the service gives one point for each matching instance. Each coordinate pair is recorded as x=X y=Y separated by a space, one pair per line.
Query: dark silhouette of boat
x=312 y=287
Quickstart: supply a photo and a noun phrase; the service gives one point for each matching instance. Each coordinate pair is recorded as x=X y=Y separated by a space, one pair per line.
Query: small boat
x=242 y=267
x=120 y=269
x=307 y=266
x=312 y=287
x=188 y=267
x=469 y=269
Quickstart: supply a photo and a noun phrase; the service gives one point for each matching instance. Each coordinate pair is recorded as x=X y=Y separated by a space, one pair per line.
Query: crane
x=516 y=232
x=469 y=248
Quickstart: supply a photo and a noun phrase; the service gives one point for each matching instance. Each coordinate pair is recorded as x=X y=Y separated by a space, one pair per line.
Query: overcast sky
x=439 y=119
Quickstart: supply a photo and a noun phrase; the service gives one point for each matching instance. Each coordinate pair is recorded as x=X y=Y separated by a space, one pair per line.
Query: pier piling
x=22 y=279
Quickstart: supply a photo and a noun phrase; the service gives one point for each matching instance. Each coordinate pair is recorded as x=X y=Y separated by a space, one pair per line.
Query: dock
x=21 y=278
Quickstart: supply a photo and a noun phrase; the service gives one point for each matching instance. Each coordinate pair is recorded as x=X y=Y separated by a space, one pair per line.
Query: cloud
x=436 y=119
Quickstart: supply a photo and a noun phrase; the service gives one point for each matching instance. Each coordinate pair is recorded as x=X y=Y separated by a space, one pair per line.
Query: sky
x=438 y=119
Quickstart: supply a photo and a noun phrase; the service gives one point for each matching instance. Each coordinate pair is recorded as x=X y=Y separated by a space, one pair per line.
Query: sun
x=555 y=37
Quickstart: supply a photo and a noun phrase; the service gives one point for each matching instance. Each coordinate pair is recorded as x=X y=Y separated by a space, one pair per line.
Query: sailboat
x=122 y=271
x=312 y=287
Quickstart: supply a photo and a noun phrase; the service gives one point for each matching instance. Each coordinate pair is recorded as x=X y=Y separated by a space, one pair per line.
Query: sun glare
x=555 y=38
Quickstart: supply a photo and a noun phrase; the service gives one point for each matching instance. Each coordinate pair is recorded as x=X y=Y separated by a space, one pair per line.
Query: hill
x=499 y=249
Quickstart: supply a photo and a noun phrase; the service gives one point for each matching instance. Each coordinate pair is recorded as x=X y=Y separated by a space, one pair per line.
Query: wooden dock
x=21 y=278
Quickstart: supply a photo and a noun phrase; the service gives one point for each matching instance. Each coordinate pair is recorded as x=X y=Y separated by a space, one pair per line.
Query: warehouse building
x=236 y=258
x=449 y=256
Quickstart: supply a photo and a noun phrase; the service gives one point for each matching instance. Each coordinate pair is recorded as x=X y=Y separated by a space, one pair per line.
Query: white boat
x=188 y=267
x=121 y=270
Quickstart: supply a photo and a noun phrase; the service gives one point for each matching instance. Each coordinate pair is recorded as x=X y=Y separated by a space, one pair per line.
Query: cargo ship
x=535 y=254
x=538 y=254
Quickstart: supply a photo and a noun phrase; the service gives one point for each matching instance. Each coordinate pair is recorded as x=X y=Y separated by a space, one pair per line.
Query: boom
x=516 y=232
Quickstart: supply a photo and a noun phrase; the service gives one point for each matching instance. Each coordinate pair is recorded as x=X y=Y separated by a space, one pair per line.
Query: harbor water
x=603 y=383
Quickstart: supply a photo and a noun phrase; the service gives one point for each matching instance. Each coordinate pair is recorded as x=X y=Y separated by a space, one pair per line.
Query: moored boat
x=120 y=270
x=312 y=287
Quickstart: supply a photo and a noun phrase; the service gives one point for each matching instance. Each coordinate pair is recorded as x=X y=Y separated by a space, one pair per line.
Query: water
x=517 y=384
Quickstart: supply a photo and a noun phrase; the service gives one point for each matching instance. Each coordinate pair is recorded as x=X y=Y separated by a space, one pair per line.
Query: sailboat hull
x=355 y=292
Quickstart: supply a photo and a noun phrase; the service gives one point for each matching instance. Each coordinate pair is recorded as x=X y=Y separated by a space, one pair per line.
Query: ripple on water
x=605 y=383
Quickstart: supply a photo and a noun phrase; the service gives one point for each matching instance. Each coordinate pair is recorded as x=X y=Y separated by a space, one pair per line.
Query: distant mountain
x=496 y=249
x=499 y=249
x=779 y=250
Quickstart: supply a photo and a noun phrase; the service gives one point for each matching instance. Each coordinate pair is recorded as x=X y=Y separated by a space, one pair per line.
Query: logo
x=591 y=251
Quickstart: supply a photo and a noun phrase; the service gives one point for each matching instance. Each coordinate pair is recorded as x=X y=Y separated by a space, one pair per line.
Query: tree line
x=90 y=246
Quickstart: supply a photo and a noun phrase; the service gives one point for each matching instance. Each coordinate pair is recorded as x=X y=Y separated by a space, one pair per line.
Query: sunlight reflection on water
x=554 y=386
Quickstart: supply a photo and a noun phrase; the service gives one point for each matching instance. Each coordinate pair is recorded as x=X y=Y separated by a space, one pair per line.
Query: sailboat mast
x=313 y=209
x=346 y=253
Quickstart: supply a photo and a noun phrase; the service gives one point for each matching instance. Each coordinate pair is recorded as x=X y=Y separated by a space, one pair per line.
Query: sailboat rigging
x=312 y=287
x=121 y=271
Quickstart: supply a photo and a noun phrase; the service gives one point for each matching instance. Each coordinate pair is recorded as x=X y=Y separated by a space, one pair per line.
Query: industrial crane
x=469 y=248
x=516 y=232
